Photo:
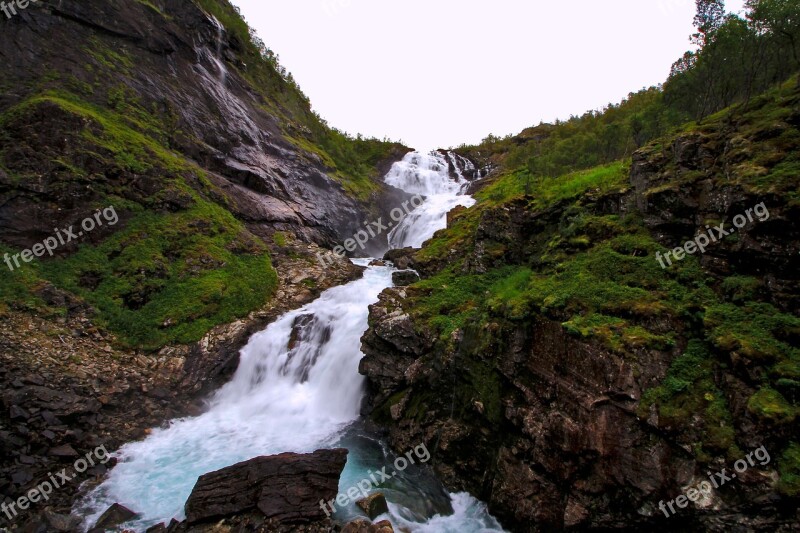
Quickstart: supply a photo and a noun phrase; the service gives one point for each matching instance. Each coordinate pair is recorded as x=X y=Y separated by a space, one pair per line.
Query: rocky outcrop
x=114 y=516
x=285 y=488
x=547 y=426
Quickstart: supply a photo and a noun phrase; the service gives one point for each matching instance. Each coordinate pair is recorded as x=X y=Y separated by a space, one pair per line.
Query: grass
x=169 y=278
x=163 y=275
x=549 y=191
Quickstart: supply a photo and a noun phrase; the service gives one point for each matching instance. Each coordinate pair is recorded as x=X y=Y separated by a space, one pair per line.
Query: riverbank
x=67 y=388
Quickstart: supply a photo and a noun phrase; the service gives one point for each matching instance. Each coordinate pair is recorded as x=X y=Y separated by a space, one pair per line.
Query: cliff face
x=175 y=74
x=175 y=118
x=568 y=380
x=223 y=186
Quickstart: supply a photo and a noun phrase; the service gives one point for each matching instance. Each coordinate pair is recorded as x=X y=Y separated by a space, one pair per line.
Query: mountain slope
x=571 y=381
x=174 y=115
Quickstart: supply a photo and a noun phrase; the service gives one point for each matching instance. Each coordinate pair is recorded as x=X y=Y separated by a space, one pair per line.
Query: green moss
x=279 y=238
x=753 y=329
x=18 y=287
x=770 y=405
x=789 y=469
x=115 y=60
x=687 y=391
x=170 y=278
x=165 y=277
x=549 y=191
x=483 y=384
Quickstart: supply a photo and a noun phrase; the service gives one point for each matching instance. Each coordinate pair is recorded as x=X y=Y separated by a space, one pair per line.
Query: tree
x=709 y=18
x=779 y=19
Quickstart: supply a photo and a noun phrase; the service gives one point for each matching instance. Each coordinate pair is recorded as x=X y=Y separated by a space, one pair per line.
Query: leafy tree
x=709 y=18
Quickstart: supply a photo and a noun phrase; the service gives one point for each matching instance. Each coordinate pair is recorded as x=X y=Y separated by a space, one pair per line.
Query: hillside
x=209 y=154
x=571 y=381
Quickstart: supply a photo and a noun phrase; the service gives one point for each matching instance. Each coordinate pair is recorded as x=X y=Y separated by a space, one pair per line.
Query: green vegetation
x=170 y=278
x=545 y=241
x=164 y=277
x=736 y=60
x=789 y=467
x=179 y=263
x=689 y=390
x=768 y=404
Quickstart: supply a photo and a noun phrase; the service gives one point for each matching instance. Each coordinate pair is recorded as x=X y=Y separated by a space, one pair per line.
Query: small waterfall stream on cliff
x=297 y=389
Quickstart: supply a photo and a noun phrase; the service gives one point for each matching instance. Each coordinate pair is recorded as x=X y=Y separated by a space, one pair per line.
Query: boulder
x=61 y=522
x=374 y=505
x=115 y=515
x=365 y=526
x=404 y=278
x=286 y=488
x=401 y=258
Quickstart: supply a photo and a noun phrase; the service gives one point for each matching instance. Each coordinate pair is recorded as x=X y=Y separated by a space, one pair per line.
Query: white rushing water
x=428 y=175
x=292 y=392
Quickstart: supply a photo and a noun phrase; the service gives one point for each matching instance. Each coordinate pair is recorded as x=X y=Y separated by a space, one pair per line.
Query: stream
x=299 y=393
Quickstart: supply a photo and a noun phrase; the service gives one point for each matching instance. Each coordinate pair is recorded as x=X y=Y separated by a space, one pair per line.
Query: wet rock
x=18 y=413
x=115 y=515
x=61 y=522
x=21 y=476
x=64 y=451
x=365 y=526
x=402 y=258
x=404 y=278
x=373 y=505
x=286 y=488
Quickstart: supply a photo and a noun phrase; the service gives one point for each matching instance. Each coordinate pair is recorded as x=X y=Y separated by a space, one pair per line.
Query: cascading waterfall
x=297 y=389
x=428 y=175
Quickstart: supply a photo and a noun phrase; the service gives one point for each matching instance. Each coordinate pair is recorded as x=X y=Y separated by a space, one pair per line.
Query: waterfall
x=218 y=60
x=428 y=175
x=297 y=389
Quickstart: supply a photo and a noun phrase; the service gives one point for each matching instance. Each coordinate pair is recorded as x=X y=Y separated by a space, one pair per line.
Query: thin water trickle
x=297 y=389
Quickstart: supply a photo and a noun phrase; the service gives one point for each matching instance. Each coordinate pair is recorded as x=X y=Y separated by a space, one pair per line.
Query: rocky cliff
x=221 y=188
x=565 y=377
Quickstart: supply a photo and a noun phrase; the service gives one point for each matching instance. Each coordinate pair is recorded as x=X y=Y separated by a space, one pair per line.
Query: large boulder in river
x=286 y=488
x=402 y=258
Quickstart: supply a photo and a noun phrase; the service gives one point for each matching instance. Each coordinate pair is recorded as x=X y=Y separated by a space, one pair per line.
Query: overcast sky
x=438 y=73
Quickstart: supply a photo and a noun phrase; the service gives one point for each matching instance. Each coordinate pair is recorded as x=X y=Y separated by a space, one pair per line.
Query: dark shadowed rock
x=61 y=522
x=285 y=488
x=64 y=451
x=404 y=278
x=115 y=515
x=402 y=258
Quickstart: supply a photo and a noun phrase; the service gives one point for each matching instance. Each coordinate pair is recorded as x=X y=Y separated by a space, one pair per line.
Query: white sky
x=438 y=73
